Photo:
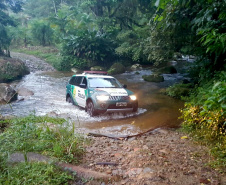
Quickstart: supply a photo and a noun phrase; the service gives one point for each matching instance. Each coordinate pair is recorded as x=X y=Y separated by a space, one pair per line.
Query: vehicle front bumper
x=110 y=107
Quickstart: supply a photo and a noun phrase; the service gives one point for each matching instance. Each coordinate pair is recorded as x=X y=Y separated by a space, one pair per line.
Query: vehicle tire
x=90 y=109
x=135 y=107
x=68 y=99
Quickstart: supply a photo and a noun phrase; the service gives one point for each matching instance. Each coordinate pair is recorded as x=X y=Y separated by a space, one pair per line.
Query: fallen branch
x=106 y=163
x=119 y=137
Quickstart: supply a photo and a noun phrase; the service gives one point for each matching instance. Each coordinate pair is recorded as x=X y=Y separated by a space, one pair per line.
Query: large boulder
x=24 y=92
x=167 y=70
x=97 y=68
x=116 y=68
x=11 y=69
x=136 y=67
x=153 y=78
x=177 y=55
x=7 y=93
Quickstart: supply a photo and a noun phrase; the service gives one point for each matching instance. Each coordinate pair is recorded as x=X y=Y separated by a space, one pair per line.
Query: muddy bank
x=163 y=156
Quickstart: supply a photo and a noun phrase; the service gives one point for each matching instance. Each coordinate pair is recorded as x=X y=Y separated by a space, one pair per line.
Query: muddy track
x=33 y=63
x=160 y=157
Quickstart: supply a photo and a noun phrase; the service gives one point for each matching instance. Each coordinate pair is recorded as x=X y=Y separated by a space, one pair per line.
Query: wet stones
x=136 y=67
x=153 y=78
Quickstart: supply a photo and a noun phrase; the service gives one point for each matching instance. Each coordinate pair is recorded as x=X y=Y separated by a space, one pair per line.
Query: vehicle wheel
x=68 y=99
x=90 y=109
x=135 y=107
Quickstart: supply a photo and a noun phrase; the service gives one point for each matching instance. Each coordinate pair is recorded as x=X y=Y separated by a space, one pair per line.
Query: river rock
x=97 y=68
x=136 y=67
x=167 y=70
x=12 y=69
x=153 y=78
x=24 y=92
x=74 y=70
x=7 y=93
x=177 y=55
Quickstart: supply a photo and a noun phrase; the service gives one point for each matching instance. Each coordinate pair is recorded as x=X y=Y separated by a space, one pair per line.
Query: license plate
x=121 y=104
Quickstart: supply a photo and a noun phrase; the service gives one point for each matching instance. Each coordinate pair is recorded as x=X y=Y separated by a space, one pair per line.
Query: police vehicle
x=100 y=93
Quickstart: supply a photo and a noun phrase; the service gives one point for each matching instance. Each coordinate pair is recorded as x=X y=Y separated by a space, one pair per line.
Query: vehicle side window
x=84 y=81
x=72 y=81
x=78 y=80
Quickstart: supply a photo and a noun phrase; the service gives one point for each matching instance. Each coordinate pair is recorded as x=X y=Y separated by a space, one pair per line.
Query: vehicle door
x=81 y=91
x=71 y=87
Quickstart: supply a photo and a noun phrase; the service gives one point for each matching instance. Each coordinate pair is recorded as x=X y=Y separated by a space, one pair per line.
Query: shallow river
x=155 y=109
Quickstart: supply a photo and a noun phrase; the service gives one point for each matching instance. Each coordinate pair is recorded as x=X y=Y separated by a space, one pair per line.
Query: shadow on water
x=155 y=109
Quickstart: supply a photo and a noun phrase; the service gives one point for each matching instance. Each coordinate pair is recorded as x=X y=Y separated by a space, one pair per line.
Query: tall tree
x=6 y=20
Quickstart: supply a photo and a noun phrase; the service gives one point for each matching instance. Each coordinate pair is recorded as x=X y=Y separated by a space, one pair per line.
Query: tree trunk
x=54 y=5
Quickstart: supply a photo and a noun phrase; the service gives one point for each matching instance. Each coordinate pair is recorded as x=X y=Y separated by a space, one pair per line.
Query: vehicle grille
x=116 y=107
x=117 y=98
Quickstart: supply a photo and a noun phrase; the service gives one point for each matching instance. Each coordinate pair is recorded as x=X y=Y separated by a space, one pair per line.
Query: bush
x=204 y=116
x=207 y=108
x=179 y=90
x=69 y=62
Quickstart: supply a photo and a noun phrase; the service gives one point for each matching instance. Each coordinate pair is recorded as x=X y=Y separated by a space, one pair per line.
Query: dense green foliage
x=89 y=33
x=179 y=90
x=6 y=20
x=204 y=116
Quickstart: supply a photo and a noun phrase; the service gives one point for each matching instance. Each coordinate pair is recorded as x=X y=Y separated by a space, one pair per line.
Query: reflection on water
x=155 y=109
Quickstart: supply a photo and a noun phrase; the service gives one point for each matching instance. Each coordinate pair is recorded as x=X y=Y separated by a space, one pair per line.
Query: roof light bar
x=96 y=72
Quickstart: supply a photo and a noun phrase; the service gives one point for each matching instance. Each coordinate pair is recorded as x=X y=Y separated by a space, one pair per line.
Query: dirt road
x=163 y=156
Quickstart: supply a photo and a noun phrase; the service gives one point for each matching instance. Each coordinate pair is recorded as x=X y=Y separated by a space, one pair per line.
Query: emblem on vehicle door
x=74 y=92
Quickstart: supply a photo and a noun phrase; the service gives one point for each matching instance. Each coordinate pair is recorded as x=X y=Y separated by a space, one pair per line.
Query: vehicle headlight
x=102 y=97
x=133 y=97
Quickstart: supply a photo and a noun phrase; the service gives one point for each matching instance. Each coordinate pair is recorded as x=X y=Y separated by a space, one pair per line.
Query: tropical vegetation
x=90 y=33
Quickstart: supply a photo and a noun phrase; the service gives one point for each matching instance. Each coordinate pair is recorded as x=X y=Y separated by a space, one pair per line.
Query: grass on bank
x=36 y=134
x=49 y=54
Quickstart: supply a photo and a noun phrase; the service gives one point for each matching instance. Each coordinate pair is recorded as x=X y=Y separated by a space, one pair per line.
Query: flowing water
x=155 y=109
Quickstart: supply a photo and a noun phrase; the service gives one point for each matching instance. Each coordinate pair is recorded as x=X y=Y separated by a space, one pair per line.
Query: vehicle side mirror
x=82 y=86
x=125 y=86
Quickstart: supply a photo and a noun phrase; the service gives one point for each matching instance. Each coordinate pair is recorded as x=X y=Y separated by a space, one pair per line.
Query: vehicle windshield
x=98 y=82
